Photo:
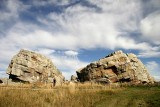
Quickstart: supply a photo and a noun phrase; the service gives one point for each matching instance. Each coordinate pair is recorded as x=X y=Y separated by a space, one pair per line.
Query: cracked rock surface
x=116 y=67
x=33 y=67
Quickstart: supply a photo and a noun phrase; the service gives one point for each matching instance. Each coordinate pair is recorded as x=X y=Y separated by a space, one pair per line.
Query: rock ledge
x=33 y=67
x=116 y=67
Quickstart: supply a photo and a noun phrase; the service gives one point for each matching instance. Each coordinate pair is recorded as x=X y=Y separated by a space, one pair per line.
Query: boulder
x=33 y=67
x=116 y=67
x=1 y=81
x=73 y=78
x=6 y=80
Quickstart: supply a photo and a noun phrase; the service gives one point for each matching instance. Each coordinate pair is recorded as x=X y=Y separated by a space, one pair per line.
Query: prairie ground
x=84 y=95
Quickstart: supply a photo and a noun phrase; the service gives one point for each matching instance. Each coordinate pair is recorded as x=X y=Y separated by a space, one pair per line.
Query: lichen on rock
x=33 y=67
x=116 y=67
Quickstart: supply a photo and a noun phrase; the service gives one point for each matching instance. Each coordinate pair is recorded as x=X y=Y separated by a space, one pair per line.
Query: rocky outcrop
x=116 y=67
x=1 y=81
x=33 y=67
x=73 y=78
x=6 y=80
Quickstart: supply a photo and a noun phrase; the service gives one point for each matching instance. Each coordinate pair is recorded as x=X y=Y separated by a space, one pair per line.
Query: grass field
x=82 y=96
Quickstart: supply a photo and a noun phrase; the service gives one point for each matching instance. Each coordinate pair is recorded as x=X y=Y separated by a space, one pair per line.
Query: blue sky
x=73 y=33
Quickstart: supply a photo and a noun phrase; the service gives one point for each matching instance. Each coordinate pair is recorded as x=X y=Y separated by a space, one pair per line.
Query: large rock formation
x=33 y=67
x=116 y=67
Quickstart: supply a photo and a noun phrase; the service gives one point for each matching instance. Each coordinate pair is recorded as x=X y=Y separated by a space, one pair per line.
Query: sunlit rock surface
x=116 y=67
x=33 y=67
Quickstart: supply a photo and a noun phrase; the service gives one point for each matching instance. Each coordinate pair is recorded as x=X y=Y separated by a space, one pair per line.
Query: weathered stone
x=1 y=81
x=73 y=78
x=33 y=67
x=116 y=67
x=6 y=81
x=103 y=80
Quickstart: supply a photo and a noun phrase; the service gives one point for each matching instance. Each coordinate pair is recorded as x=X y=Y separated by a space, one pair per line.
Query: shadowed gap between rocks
x=15 y=79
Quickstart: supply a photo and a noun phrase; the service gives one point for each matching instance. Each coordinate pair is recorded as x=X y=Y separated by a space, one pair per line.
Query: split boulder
x=116 y=67
x=33 y=67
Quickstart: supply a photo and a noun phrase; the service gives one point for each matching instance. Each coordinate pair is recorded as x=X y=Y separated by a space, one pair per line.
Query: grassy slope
x=131 y=97
x=70 y=97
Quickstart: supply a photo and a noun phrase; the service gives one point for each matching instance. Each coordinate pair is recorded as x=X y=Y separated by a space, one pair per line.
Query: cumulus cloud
x=154 y=69
x=5 y=57
x=77 y=25
x=72 y=53
x=12 y=8
x=3 y=74
x=157 y=78
x=45 y=51
x=48 y=2
x=68 y=65
x=98 y=29
x=152 y=65
x=150 y=27
x=153 y=52
x=65 y=61
x=149 y=54
x=82 y=27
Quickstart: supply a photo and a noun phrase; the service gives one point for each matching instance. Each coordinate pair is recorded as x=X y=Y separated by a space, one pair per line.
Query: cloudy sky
x=74 y=33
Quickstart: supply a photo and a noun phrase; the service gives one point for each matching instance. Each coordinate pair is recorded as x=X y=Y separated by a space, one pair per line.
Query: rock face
x=6 y=81
x=1 y=81
x=33 y=67
x=73 y=78
x=116 y=67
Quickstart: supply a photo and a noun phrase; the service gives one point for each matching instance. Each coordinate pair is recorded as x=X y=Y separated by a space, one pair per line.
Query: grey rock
x=33 y=67
x=116 y=67
x=6 y=81
x=103 y=80
x=74 y=78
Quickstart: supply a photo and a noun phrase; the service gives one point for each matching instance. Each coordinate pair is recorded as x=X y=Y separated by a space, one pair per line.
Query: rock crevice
x=33 y=67
x=116 y=67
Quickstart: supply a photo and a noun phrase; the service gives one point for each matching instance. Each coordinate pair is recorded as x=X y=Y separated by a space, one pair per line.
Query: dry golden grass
x=47 y=96
x=81 y=95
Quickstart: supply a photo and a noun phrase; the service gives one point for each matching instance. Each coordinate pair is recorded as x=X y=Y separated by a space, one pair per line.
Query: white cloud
x=82 y=28
x=47 y=2
x=98 y=30
x=66 y=61
x=4 y=65
x=3 y=74
x=150 y=27
x=154 y=69
x=149 y=54
x=45 y=51
x=157 y=78
x=68 y=65
x=79 y=27
x=152 y=65
x=152 y=52
x=71 y=53
x=12 y=9
x=6 y=55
